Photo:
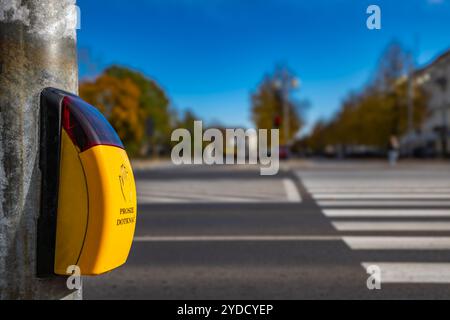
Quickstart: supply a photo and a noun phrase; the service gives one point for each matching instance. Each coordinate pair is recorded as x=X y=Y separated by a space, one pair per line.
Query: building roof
x=442 y=57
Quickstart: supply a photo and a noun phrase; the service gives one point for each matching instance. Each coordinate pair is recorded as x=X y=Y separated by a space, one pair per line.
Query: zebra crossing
x=392 y=215
x=255 y=190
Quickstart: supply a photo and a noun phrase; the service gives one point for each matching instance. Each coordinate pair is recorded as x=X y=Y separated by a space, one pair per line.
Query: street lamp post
x=410 y=107
x=286 y=114
x=442 y=82
x=286 y=84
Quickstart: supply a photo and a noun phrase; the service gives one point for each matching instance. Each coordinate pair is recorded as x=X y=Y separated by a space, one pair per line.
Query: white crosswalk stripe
x=218 y=191
x=379 y=212
x=412 y=272
x=397 y=243
x=351 y=196
x=386 y=213
x=383 y=203
x=391 y=226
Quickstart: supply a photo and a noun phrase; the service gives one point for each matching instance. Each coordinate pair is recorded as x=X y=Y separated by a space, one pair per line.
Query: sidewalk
x=311 y=164
x=146 y=164
x=355 y=164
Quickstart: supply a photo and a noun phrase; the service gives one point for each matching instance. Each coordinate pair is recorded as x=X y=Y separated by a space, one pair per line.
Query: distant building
x=434 y=136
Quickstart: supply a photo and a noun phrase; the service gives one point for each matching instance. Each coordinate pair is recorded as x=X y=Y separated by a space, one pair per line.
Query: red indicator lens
x=86 y=126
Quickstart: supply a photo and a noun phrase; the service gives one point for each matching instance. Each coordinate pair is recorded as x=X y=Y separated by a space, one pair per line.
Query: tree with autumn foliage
x=158 y=116
x=135 y=106
x=119 y=100
x=268 y=104
x=380 y=111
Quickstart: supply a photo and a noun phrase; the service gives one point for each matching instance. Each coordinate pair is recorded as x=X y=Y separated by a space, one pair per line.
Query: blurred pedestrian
x=393 y=150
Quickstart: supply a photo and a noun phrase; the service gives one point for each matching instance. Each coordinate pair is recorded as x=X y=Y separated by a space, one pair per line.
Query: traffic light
x=277 y=122
x=88 y=198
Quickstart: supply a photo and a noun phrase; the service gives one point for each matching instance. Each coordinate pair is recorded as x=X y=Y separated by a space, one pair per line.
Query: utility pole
x=37 y=50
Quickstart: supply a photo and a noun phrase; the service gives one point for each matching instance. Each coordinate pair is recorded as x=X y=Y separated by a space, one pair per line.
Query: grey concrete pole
x=37 y=50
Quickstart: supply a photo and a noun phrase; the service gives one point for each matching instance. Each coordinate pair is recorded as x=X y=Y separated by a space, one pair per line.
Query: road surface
x=309 y=233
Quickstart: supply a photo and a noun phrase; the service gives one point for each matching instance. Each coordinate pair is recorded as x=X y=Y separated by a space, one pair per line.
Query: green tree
x=119 y=101
x=155 y=105
x=268 y=103
x=380 y=110
x=392 y=66
x=135 y=105
x=187 y=121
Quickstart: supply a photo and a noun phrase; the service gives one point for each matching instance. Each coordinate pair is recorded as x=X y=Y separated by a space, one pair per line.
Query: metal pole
x=442 y=82
x=37 y=50
x=411 y=107
x=286 y=113
x=445 y=129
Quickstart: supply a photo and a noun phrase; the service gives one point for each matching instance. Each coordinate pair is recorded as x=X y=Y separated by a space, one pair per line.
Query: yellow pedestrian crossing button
x=88 y=212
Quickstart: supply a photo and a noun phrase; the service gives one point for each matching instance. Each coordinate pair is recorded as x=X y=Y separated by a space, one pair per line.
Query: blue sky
x=209 y=55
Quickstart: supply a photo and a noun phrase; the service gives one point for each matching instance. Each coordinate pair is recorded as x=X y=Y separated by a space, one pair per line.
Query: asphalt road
x=308 y=233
